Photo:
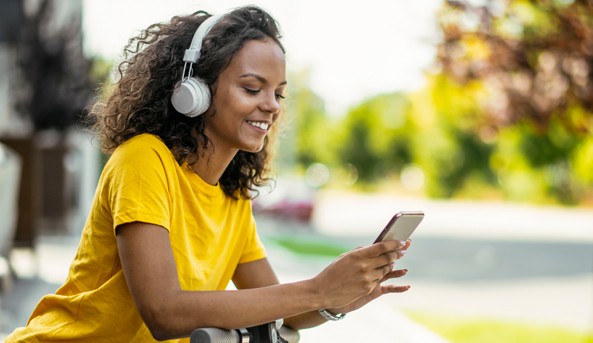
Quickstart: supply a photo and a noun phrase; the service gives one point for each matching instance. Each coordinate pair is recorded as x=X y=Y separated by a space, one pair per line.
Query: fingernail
x=393 y=264
x=402 y=242
x=403 y=252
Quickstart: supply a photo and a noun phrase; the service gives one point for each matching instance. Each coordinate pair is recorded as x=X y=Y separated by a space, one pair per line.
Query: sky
x=352 y=50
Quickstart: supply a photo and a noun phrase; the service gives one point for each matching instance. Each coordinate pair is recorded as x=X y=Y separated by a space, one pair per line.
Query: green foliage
x=443 y=130
x=515 y=92
x=311 y=126
x=450 y=149
x=375 y=137
x=459 y=151
x=535 y=164
x=308 y=138
x=101 y=70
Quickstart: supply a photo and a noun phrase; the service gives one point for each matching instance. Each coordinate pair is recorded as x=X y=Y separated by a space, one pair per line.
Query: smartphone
x=401 y=226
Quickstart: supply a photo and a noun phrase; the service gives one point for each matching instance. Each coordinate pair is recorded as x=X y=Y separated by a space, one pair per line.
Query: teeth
x=262 y=126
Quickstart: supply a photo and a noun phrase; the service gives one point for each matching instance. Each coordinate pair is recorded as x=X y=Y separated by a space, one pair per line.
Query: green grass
x=309 y=246
x=464 y=330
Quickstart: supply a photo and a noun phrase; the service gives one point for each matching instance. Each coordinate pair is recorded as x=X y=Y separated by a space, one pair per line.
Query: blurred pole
x=29 y=190
x=10 y=174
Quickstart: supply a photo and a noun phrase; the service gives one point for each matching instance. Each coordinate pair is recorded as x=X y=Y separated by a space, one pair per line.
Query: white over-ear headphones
x=191 y=95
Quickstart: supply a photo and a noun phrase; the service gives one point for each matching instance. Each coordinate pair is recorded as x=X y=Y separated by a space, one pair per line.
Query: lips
x=258 y=124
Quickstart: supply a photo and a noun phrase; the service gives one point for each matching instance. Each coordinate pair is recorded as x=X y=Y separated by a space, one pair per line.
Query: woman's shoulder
x=143 y=144
x=144 y=149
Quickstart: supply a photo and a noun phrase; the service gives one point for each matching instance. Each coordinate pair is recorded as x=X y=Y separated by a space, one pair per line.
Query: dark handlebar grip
x=292 y=336
x=214 y=335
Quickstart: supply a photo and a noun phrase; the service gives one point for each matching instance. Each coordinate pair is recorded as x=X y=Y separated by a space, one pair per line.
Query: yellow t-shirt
x=210 y=234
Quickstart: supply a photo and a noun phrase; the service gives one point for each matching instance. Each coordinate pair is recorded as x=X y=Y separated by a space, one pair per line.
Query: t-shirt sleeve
x=254 y=248
x=138 y=189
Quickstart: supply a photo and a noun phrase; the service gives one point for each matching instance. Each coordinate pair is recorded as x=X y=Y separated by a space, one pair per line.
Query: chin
x=254 y=148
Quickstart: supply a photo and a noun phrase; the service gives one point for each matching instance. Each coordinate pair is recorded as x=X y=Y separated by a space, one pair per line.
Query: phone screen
x=401 y=226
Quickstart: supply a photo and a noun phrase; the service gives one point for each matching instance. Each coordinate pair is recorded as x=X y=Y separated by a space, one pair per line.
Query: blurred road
x=523 y=263
x=489 y=259
x=536 y=282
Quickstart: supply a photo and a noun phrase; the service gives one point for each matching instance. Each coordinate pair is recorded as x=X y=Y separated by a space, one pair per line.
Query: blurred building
x=59 y=167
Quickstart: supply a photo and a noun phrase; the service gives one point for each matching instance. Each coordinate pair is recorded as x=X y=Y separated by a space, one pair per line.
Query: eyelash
x=254 y=91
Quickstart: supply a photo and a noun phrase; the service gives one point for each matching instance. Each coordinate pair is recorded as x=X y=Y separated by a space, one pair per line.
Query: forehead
x=264 y=58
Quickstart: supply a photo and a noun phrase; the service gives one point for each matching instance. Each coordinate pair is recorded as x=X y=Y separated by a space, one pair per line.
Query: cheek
x=233 y=103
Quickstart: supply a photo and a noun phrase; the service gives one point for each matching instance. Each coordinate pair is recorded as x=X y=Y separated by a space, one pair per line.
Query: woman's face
x=247 y=98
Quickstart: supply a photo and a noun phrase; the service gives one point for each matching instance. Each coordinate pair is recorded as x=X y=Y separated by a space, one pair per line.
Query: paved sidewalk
x=559 y=302
x=376 y=322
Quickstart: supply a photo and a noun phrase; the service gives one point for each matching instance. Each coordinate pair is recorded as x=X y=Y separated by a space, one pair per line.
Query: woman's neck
x=212 y=163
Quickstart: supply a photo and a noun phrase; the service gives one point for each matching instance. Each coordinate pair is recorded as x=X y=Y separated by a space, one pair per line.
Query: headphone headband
x=191 y=95
x=194 y=52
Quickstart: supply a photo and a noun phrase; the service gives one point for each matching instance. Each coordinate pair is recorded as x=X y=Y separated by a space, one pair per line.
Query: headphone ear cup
x=191 y=97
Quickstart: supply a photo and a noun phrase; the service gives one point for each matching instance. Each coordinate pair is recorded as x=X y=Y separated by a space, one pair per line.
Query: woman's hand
x=377 y=292
x=355 y=278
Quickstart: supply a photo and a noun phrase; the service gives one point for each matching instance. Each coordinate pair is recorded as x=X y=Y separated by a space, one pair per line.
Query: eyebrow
x=260 y=78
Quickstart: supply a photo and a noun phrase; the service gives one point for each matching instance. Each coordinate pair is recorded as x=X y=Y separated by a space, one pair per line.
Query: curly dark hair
x=139 y=102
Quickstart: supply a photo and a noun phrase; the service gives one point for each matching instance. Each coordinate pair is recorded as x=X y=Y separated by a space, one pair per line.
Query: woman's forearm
x=181 y=312
x=304 y=320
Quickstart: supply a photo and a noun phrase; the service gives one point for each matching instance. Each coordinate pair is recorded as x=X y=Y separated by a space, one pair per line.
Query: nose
x=270 y=104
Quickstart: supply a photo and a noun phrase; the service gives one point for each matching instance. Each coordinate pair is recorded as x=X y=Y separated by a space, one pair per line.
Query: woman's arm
x=259 y=273
x=170 y=312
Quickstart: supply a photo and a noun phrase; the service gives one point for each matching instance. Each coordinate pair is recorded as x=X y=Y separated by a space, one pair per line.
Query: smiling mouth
x=259 y=125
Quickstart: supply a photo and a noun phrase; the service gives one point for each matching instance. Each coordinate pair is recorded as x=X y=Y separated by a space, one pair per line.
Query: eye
x=251 y=91
x=280 y=96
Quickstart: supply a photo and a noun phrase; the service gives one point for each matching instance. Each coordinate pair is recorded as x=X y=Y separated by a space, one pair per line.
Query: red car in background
x=292 y=198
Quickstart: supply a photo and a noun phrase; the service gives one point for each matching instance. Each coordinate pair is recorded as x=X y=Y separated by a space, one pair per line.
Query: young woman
x=171 y=222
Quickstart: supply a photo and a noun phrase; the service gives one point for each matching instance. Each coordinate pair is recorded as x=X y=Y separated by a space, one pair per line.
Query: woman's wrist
x=318 y=299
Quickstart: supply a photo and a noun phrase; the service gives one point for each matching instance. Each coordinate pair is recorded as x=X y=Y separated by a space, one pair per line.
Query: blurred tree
x=375 y=137
x=448 y=144
x=527 y=65
x=52 y=83
x=311 y=132
x=56 y=83
x=535 y=58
